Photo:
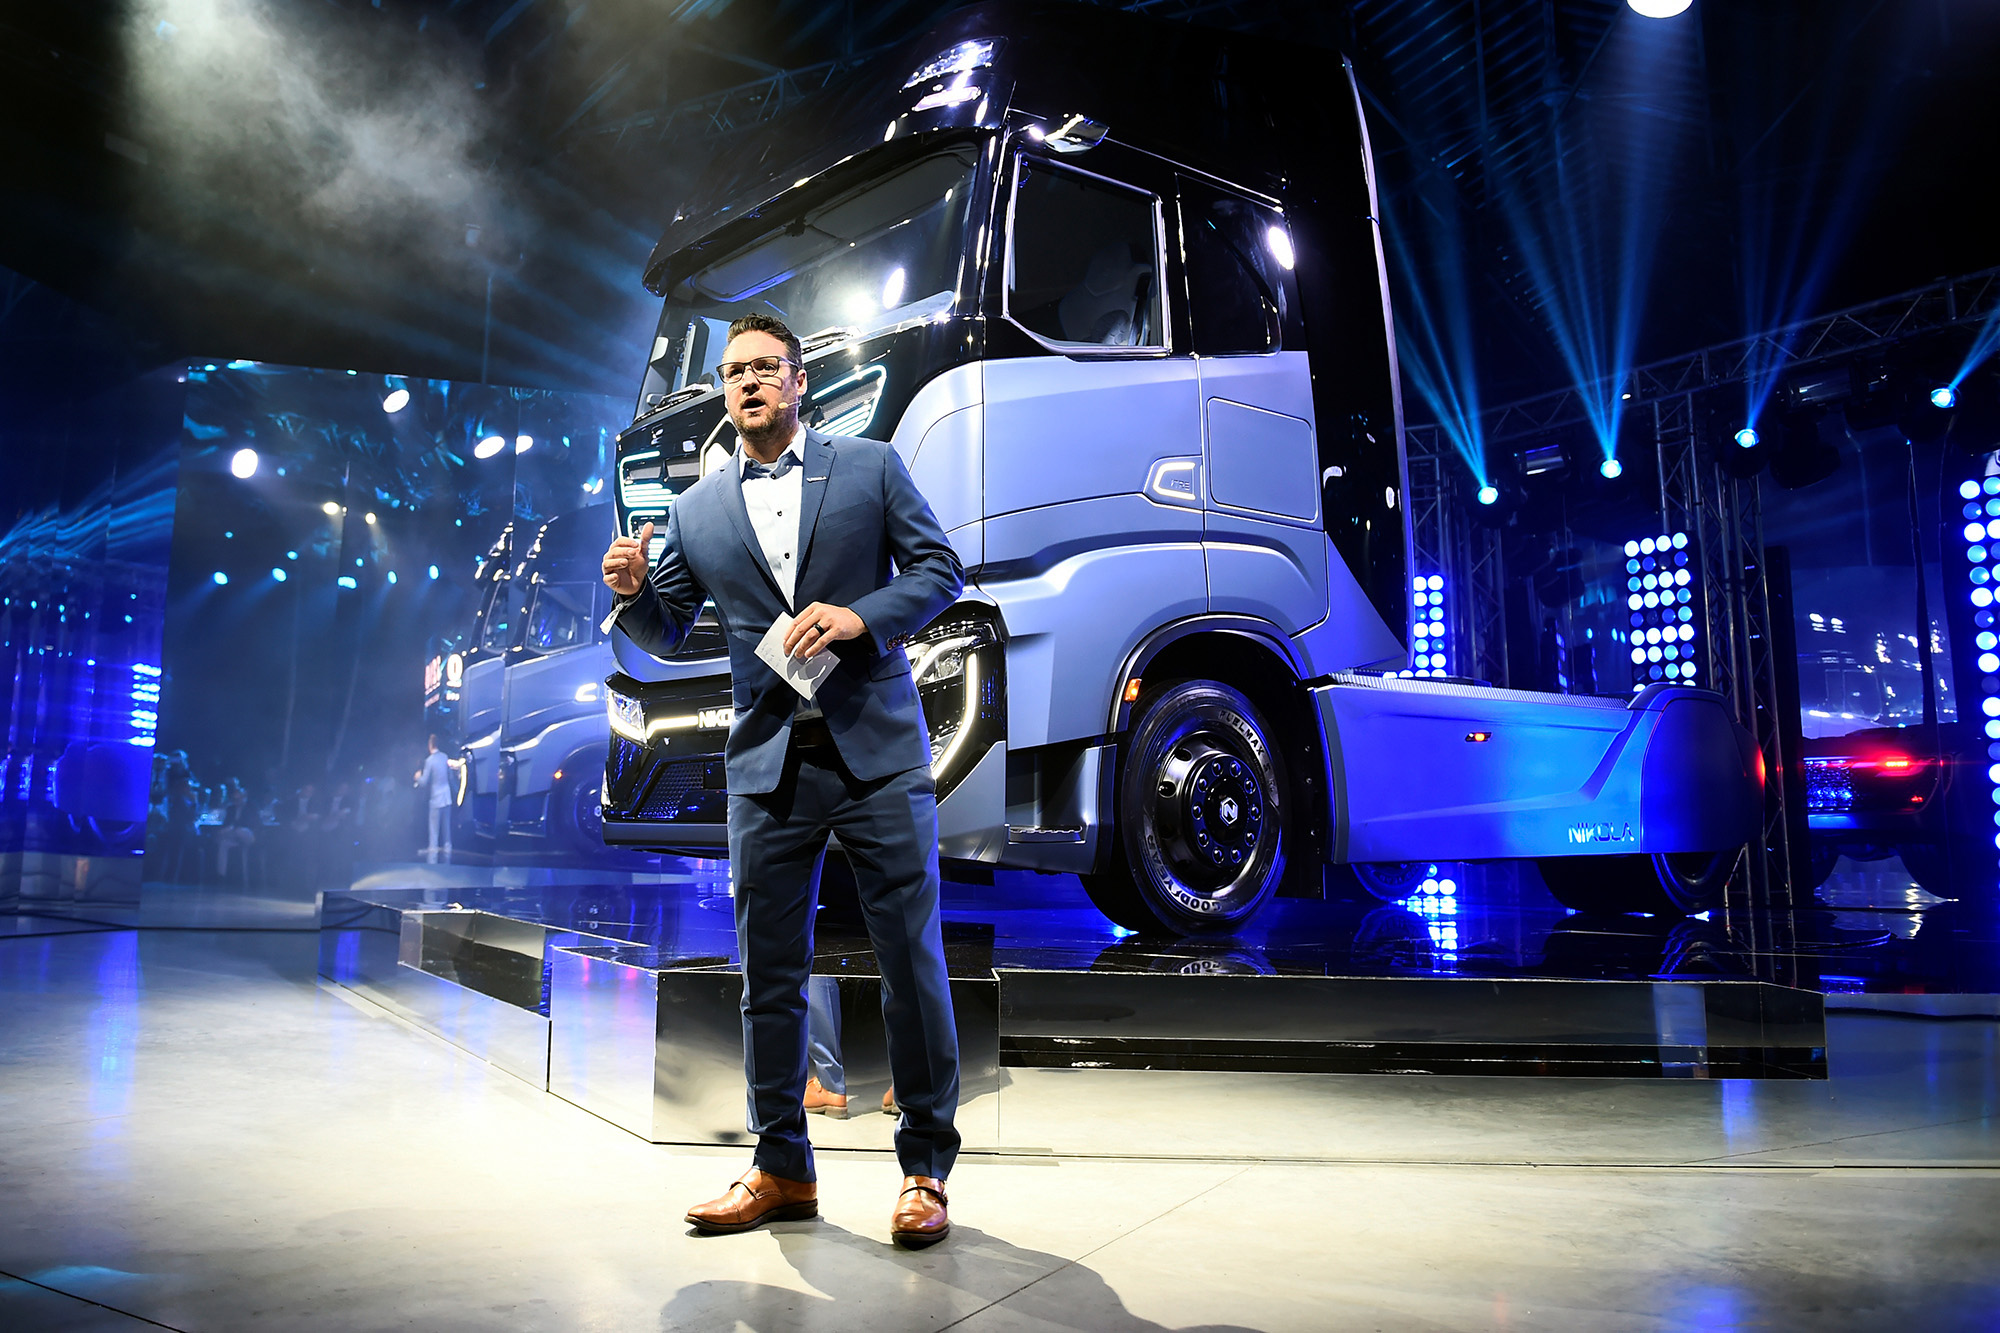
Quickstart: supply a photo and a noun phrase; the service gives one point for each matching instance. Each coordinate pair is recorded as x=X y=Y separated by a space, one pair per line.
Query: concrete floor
x=201 y=1135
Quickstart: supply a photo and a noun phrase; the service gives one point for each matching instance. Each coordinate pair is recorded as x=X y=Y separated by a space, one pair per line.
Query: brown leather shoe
x=832 y=1105
x=920 y=1217
x=757 y=1198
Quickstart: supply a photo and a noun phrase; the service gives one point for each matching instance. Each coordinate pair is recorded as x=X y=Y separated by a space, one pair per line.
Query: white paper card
x=803 y=676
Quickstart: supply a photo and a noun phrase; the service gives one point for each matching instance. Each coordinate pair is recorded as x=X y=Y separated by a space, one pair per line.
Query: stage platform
x=621 y=997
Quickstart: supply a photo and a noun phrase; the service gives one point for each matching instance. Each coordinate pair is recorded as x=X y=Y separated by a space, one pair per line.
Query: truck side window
x=1083 y=262
x=1242 y=296
x=562 y=616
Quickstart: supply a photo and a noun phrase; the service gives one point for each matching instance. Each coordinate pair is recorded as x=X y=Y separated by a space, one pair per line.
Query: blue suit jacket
x=859 y=511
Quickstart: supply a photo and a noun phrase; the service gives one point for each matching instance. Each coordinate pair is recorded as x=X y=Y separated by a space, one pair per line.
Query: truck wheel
x=576 y=818
x=1201 y=805
x=1663 y=883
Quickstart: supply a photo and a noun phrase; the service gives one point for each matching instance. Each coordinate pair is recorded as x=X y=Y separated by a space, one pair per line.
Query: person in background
x=238 y=821
x=434 y=781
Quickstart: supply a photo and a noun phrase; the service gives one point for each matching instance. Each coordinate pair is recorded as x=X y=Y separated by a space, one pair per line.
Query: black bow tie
x=755 y=471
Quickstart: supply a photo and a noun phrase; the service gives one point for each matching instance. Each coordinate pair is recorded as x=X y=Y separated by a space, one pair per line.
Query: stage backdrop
x=343 y=544
x=89 y=442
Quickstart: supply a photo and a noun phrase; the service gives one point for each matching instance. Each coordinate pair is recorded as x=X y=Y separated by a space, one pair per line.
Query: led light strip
x=1982 y=550
x=1428 y=653
x=1659 y=593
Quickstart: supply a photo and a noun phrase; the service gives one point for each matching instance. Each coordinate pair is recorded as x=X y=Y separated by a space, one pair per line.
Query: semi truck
x=524 y=693
x=1114 y=290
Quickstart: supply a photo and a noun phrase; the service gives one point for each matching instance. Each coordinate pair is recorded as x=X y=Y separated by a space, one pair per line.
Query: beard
x=763 y=423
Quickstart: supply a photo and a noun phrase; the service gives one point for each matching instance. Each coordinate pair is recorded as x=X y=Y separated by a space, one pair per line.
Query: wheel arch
x=1256 y=658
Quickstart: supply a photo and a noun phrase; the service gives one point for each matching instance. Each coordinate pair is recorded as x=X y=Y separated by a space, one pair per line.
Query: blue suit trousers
x=777 y=840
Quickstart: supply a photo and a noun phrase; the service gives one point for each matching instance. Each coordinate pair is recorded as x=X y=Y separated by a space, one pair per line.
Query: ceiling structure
x=469 y=187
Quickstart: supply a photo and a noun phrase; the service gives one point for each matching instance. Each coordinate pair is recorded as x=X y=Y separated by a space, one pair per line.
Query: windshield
x=864 y=260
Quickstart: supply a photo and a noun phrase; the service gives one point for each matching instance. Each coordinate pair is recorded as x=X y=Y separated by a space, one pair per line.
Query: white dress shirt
x=773 y=503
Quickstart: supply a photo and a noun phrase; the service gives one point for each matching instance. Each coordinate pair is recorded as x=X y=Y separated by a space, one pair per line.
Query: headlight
x=956 y=664
x=628 y=715
x=943 y=659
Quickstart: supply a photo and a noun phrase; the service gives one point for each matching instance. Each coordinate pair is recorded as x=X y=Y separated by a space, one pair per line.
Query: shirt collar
x=797 y=447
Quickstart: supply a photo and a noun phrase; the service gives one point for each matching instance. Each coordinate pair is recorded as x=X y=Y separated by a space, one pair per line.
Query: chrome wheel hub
x=1210 y=812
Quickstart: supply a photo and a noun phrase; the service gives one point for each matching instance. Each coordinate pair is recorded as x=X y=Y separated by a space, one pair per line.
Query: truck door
x=1264 y=536
x=1093 y=436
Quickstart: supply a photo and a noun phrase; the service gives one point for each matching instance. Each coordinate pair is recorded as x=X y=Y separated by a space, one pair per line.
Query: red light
x=1761 y=775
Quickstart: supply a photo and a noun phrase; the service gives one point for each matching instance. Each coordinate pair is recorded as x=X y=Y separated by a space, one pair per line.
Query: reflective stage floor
x=203 y=1134
x=619 y=995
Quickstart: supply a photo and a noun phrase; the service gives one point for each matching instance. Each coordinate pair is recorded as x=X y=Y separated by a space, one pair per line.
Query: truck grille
x=691 y=789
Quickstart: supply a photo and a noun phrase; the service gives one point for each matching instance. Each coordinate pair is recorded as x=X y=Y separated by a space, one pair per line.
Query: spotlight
x=279 y=575
x=488 y=447
x=1611 y=469
x=523 y=443
x=243 y=463
x=892 y=290
x=392 y=576
x=346 y=581
x=1945 y=397
x=1489 y=495
x=330 y=509
x=397 y=400
x=369 y=519
x=434 y=571
x=1280 y=242
x=220 y=578
x=1747 y=438
x=1659 y=9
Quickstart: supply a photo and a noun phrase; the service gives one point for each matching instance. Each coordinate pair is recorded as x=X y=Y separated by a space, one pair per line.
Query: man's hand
x=625 y=564
x=817 y=626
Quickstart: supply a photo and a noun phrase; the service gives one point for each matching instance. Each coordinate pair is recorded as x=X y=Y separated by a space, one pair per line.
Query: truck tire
x=1670 y=884
x=576 y=817
x=1200 y=815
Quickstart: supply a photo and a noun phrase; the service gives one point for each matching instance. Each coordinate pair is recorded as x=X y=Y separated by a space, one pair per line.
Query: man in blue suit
x=809 y=525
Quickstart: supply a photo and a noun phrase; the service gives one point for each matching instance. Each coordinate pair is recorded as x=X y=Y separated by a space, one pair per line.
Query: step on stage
x=620 y=995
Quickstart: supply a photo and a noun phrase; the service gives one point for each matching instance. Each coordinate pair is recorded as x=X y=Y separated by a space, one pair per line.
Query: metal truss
x=1724 y=519
x=1953 y=303
x=737 y=108
x=1444 y=540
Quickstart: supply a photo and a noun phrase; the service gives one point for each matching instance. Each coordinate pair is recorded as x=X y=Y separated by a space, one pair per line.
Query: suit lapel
x=813 y=485
x=739 y=514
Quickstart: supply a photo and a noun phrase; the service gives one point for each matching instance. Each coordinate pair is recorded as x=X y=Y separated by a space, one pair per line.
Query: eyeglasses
x=764 y=368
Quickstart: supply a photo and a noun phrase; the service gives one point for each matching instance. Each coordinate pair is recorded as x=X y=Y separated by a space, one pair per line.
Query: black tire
x=1200 y=816
x=1671 y=884
x=1391 y=881
x=576 y=813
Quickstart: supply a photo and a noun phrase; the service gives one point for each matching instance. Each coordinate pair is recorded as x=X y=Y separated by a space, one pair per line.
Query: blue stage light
x=396 y=401
x=243 y=464
x=1659 y=9
x=392 y=576
x=1944 y=396
x=434 y=571
x=1489 y=495
x=1611 y=469
x=346 y=581
x=278 y=574
x=1968 y=489
x=489 y=446
x=1747 y=438
x=220 y=578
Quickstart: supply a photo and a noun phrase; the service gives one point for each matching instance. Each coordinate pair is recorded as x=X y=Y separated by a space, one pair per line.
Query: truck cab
x=528 y=688
x=1125 y=318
